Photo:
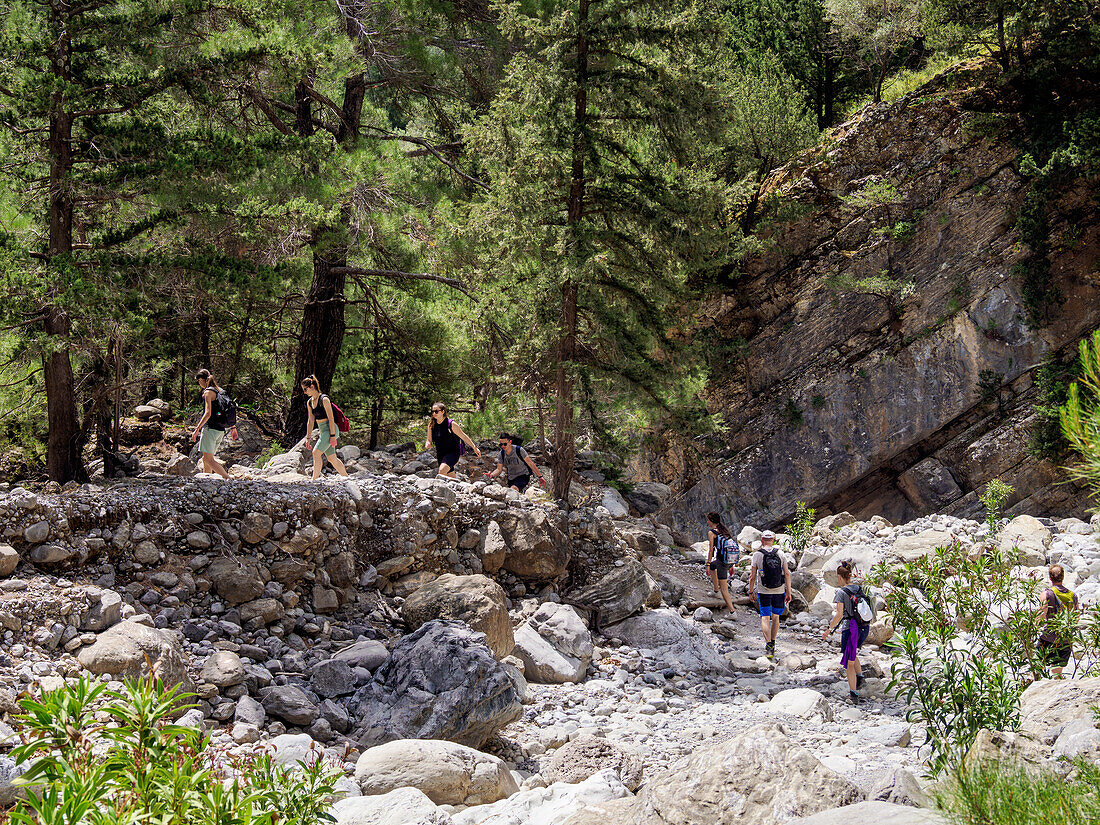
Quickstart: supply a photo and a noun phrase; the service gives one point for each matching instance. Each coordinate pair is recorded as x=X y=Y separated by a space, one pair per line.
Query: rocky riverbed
x=468 y=655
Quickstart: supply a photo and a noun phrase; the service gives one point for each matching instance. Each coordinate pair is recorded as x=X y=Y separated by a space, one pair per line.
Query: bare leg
x=853 y=674
x=775 y=628
x=212 y=465
x=726 y=594
x=446 y=470
x=338 y=465
x=766 y=627
x=713 y=577
x=316 y=464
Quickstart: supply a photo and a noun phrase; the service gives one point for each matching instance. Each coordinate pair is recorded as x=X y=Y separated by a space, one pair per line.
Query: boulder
x=614 y=503
x=180 y=465
x=801 y=702
x=235 y=580
x=9 y=559
x=130 y=650
x=104 y=611
x=1050 y=702
x=367 y=654
x=540 y=549
x=255 y=527
x=289 y=703
x=37 y=532
x=622 y=592
x=404 y=806
x=881 y=630
x=806 y=584
x=267 y=609
x=834 y=522
x=296 y=749
x=546 y=806
x=873 y=813
x=1029 y=537
x=864 y=559
x=911 y=548
x=673 y=641
x=649 y=496
x=333 y=677
x=146 y=412
x=448 y=773
x=1078 y=739
x=440 y=682
x=585 y=756
x=554 y=645
x=494 y=549
x=223 y=668
x=761 y=777
x=476 y=600
x=900 y=787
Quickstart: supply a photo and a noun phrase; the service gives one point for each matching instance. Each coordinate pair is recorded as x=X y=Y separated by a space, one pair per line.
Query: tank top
x=446 y=442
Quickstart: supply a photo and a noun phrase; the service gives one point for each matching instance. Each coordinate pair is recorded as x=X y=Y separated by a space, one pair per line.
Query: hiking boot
x=769 y=651
x=859 y=681
x=853 y=697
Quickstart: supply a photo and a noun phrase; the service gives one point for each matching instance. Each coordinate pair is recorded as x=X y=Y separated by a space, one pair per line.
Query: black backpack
x=517 y=445
x=224 y=410
x=772 y=569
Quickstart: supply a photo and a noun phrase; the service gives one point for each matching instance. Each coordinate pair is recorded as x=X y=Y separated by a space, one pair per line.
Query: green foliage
x=1080 y=415
x=874 y=31
x=792 y=414
x=903 y=231
x=989 y=385
x=877 y=192
x=993 y=499
x=273 y=449
x=892 y=291
x=818 y=402
x=801 y=528
x=1051 y=379
x=142 y=768
x=998 y=793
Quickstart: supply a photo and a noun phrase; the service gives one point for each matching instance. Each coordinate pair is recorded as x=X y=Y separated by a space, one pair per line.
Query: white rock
x=803 y=702
x=546 y=806
x=448 y=773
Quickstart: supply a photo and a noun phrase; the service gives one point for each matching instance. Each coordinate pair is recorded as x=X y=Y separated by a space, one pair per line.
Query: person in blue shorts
x=770 y=588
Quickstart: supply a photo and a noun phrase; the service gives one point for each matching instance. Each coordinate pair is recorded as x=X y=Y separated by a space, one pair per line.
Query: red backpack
x=341 y=420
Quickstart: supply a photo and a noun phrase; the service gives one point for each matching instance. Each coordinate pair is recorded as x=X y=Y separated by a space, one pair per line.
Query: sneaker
x=769 y=651
x=853 y=697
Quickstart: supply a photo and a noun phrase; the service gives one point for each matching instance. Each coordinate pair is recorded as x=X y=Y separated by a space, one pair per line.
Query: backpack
x=520 y=452
x=461 y=443
x=722 y=550
x=338 y=417
x=1065 y=600
x=223 y=412
x=772 y=569
x=857 y=604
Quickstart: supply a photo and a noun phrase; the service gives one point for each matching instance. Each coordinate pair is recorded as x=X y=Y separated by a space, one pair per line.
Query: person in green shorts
x=319 y=409
x=210 y=430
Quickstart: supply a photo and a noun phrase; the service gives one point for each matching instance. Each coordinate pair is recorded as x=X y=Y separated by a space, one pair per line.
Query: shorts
x=771 y=604
x=1055 y=654
x=723 y=570
x=324 y=439
x=451 y=459
x=210 y=441
x=864 y=629
x=520 y=482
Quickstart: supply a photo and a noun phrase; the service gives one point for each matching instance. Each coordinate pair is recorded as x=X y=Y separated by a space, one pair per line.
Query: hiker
x=219 y=412
x=856 y=610
x=320 y=408
x=449 y=439
x=514 y=463
x=719 y=563
x=773 y=593
x=1053 y=647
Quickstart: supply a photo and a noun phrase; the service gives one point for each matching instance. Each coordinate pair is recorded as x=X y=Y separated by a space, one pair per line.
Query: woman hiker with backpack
x=319 y=408
x=719 y=562
x=773 y=592
x=449 y=440
x=856 y=610
x=218 y=413
x=514 y=463
x=1054 y=648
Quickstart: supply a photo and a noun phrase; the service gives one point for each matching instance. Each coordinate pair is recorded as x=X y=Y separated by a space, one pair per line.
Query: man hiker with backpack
x=719 y=563
x=856 y=610
x=773 y=592
x=219 y=413
x=514 y=463
x=449 y=439
x=1053 y=646
x=331 y=421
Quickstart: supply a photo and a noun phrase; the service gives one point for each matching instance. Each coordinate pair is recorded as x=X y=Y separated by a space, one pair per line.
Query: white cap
x=767 y=534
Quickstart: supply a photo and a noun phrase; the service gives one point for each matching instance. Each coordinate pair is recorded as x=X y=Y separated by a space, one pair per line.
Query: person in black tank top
x=448 y=438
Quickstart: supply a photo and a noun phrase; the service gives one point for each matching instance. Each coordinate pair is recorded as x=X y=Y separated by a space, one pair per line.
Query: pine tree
x=604 y=198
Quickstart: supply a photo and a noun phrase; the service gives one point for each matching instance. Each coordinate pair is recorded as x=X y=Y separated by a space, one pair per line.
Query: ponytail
x=719 y=527
x=311 y=381
x=204 y=375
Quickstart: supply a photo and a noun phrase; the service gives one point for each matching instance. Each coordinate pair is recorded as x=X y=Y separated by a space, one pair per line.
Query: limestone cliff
x=893 y=405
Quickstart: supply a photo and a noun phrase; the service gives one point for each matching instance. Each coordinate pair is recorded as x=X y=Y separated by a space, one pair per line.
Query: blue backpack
x=722 y=546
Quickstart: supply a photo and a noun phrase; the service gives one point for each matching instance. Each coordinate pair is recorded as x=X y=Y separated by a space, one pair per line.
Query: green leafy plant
x=802 y=527
x=875 y=193
x=1080 y=415
x=903 y=231
x=273 y=449
x=818 y=402
x=1000 y=793
x=1051 y=379
x=989 y=385
x=792 y=413
x=993 y=499
x=140 y=767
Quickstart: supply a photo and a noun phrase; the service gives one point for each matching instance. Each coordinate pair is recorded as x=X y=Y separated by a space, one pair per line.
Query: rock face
x=672 y=639
x=476 y=600
x=1050 y=702
x=758 y=778
x=448 y=773
x=871 y=406
x=554 y=645
x=440 y=682
x=879 y=813
x=622 y=592
x=585 y=756
x=130 y=650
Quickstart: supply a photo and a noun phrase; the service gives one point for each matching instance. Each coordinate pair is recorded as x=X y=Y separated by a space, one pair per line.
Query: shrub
x=1003 y=794
x=140 y=767
x=993 y=499
x=800 y=529
x=792 y=413
x=274 y=449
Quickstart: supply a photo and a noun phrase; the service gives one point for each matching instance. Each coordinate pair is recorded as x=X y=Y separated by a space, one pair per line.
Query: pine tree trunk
x=564 y=435
x=63 y=458
x=322 y=333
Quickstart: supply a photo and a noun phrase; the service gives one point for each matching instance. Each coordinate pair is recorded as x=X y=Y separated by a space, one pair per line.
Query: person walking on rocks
x=719 y=563
x=219 y=412
x=514 y=463
x=770 y=588
x=449 y=439
x=1054 y=648
x=320 y=409
x=855 y=610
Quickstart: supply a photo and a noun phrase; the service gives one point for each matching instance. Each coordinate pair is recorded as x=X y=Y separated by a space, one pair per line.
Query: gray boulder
x=649 y=496
x=235 y=580
x=223 y=668
x=333 y=678
x=672 y=640
x=554 y=645
x=130 y=650
x=538 y=541
x=440 y=682
x=367 y=654
x=874 y=813
x=585 y=756
x=623 y=592
x=476 y=600
x=104 y=611
x=289 y=703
